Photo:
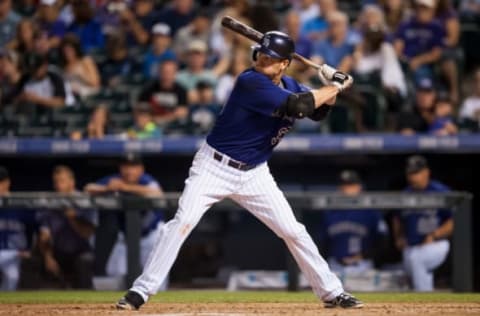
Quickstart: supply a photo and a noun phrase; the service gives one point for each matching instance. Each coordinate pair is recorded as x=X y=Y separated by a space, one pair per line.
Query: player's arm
x=46 y=250
x=444 y=231
x=398 y=235
x=152 y=189
x=81 y=226
x=316 y=103
x=95 y=188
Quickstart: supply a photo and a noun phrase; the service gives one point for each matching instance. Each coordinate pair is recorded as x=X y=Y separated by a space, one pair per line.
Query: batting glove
x=327 y=72
x=341 y=80
x=323 y=80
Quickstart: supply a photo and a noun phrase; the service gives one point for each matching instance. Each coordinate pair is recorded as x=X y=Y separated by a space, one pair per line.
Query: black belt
x=232 y=163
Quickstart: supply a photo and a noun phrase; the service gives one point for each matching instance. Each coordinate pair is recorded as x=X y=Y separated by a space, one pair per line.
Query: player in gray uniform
x=232 y=163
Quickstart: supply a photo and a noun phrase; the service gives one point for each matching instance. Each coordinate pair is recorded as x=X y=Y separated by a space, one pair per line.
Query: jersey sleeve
x=259 y=94
x=104 y=180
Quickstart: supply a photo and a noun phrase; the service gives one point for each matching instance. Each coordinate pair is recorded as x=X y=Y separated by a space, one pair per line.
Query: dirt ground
x=244 y=309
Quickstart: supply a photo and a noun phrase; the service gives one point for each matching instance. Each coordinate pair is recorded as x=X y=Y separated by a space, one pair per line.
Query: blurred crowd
x=147 y=68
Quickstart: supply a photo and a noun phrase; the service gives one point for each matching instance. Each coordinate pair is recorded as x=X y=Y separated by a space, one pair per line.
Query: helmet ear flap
x=254 y=55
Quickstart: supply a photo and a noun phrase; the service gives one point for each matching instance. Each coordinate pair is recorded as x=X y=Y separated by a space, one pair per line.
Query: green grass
x=204 y=296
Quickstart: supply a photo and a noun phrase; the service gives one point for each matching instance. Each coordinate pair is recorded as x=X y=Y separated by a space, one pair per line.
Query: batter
x=232 y=164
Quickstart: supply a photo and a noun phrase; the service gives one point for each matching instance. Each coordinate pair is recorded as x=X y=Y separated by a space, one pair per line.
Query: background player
x=16 y=230
x=261 y=109
x=422 y=235
x=352 y=236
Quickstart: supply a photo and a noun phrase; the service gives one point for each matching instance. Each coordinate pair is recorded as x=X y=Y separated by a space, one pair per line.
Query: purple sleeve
x=104 y=180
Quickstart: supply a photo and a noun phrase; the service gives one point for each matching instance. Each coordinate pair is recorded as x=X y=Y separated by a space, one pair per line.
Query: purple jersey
x=420 y=38
x=351 y=232
x=417 y=224
x=247 y=129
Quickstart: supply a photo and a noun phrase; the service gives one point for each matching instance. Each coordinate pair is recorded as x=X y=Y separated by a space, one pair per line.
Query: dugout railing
x=459 y=202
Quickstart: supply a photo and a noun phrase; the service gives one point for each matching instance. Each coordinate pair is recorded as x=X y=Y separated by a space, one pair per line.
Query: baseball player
x=232 y=163
x=352 y=235
x=422 y=235
x=16 y=230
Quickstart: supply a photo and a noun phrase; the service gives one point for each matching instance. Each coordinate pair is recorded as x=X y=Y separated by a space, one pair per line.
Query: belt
x=232 y=163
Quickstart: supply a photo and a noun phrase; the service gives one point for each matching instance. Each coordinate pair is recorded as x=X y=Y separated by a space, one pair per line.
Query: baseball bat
x=256 y=36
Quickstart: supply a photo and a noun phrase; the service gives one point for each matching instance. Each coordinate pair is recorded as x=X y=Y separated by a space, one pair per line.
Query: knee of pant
x=187 y=222
x=292 y=232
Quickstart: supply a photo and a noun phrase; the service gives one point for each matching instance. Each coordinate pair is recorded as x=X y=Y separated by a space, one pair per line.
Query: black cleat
x=131 y=301
x=344 y=300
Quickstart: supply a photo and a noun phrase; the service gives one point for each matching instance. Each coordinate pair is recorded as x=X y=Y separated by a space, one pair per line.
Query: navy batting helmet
x=275 y=44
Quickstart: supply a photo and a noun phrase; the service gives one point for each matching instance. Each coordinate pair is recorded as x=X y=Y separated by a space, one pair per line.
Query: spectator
x=224 y=42
x=118 y=64
x=375 y=63
x=443 y=123
x=135 y=21
x=470 y=111
x=197 y=70
x=451 y=54
x=85 y=27
x=306 y=10
x=39 y=88
x=396 y=11
x=8 y=22
x=159 y=51
x=16 y=228
x=131 y=180
x=50 y=23
x=197 y=30
x=203 y=113
x=303 y=45
x=144 y=127
x=26 y=8
x=353 y=237
x=419 y=40
x=64 y=255
x=145 y=17
x=335 y=49
x=178 y=14
x=263 y=17
x=98 y=126
x=167 y=99
x=9 y=76
x=239 y=62
x=109 y=14
x=419 y=119
x=317 y=27
x=422 y=235
x=80 y=70
x=24 y=41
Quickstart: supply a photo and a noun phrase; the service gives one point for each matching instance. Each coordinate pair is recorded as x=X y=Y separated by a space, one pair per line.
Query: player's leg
x=262 y=197
x=208 y=183
x=422 y=260
x=10 y=270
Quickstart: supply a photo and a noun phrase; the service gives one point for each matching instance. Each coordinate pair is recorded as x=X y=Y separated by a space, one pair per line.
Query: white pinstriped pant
x=210 y=181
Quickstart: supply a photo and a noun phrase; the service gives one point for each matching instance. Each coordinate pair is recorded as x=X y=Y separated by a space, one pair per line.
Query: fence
x=459 y=202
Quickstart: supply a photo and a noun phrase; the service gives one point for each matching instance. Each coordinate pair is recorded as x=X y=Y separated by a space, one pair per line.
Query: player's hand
x=429 y=239
x=116 y=185
x=52 y=265
x=331 y=76
x=342 y=81
x=400 y=243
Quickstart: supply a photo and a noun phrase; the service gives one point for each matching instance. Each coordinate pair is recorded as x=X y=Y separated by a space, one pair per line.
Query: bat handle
x=307 y=62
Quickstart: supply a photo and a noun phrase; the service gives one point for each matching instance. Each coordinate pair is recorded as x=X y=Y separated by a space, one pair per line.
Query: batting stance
x=232 y=163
